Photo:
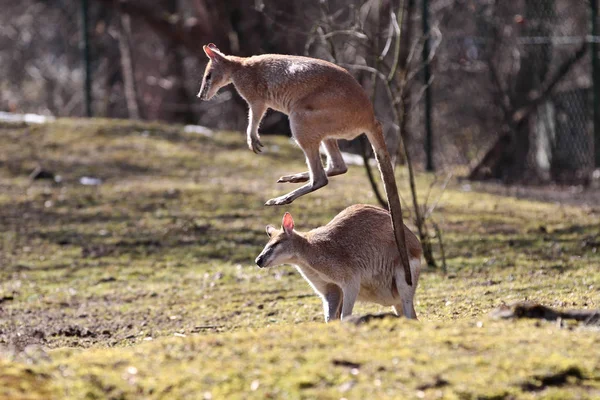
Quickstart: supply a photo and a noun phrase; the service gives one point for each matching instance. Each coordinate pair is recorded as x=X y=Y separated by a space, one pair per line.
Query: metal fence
x=497 y=57
x=39 y=58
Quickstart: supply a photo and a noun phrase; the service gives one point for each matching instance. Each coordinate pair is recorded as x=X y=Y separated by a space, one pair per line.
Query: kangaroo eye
x=208 y=76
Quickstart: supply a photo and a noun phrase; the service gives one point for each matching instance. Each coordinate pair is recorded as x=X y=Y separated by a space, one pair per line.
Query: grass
x=144 y=286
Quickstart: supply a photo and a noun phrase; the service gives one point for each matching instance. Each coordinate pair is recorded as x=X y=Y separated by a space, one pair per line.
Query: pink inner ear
x=288 y=222
x=209 y=51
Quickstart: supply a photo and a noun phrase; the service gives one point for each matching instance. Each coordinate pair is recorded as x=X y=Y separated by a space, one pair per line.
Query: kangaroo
x=353 y=257
x=324 y=103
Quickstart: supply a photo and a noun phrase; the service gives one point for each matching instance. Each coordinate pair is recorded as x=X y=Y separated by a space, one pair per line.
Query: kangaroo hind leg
x=318 y=177
x=335 y=164
x=398 y=310
x=350 y=293
x=332 y=302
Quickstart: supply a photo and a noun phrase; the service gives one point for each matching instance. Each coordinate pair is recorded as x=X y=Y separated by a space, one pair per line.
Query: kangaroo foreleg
x=257 y=110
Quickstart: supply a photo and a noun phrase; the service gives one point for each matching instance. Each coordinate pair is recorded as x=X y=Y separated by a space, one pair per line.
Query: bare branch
x=538 y=98
x=365 y=157
x=504 y=101
x=127 y=66
x=430 y=210
x=436 y=34
x=358 y=35
x=438 y=233
x=311 y=39
x=392 y=32
x=421 y=93
x=434 y=46
x=372 y=70
x=398 y=29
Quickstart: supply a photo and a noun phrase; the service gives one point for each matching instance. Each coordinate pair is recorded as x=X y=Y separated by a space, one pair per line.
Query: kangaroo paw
x=278 y=201
x=255 y=145
x=296 y=178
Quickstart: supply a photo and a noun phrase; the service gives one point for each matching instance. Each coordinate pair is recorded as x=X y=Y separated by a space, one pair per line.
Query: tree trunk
x=131 y=96
x=174 y=64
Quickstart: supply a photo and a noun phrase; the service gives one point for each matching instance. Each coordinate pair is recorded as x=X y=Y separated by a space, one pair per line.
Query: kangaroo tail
x=407 y=293
x=389 y=183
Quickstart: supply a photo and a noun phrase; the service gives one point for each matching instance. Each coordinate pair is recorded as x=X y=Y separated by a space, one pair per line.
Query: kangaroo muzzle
x=260 y=260
x=202 y=93
x=204 y=89
x=263 y=257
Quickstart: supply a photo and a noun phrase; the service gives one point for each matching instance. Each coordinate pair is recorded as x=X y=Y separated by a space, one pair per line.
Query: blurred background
x=501 y=90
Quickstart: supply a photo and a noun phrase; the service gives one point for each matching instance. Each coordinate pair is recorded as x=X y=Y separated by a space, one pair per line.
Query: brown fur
x=324 y=103
x=354 y=256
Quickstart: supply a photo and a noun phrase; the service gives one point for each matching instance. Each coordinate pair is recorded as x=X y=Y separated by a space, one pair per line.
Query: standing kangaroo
x=324 y=103
x=353 y=257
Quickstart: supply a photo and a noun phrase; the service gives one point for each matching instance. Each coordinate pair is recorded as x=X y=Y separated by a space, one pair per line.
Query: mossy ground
x=144 y=286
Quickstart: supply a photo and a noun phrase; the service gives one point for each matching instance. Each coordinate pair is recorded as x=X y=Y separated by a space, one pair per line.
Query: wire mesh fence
x=39 y=58
x=496 y=60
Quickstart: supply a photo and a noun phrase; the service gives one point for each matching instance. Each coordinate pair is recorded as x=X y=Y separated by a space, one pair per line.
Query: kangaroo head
x=217 y=73
x=282 y=247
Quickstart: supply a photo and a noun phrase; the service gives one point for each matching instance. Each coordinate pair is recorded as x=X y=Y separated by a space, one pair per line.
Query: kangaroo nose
x=259 y=260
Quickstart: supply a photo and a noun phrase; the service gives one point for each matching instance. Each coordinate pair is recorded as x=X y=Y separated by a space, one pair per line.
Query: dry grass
x=163 y=248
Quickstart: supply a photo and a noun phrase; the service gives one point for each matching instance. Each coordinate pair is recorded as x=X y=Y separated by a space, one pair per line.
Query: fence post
x=85 y=47
x=596 y=81
x=427 y=83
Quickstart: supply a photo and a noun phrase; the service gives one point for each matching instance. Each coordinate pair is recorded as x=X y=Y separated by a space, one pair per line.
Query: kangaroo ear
x=212 y=51
x=287 y=223
x=270 y=230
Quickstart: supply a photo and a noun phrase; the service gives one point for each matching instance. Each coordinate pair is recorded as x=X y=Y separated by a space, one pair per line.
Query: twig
x=388 y=42
x=438 y=233
x=427 y=253
x=421 y=92
x=398 y=29
x=363 y=141
x=444 y=185
x=431 y=185
x=208 y=327
x=370 y=176
x=358 y=35
x=412 y=74
x=310 y=40
x=372 y=70
x=505 y=101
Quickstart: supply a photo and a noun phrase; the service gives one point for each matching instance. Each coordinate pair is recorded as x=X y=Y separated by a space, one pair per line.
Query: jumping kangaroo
x=324 y=103
x=353 y=257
